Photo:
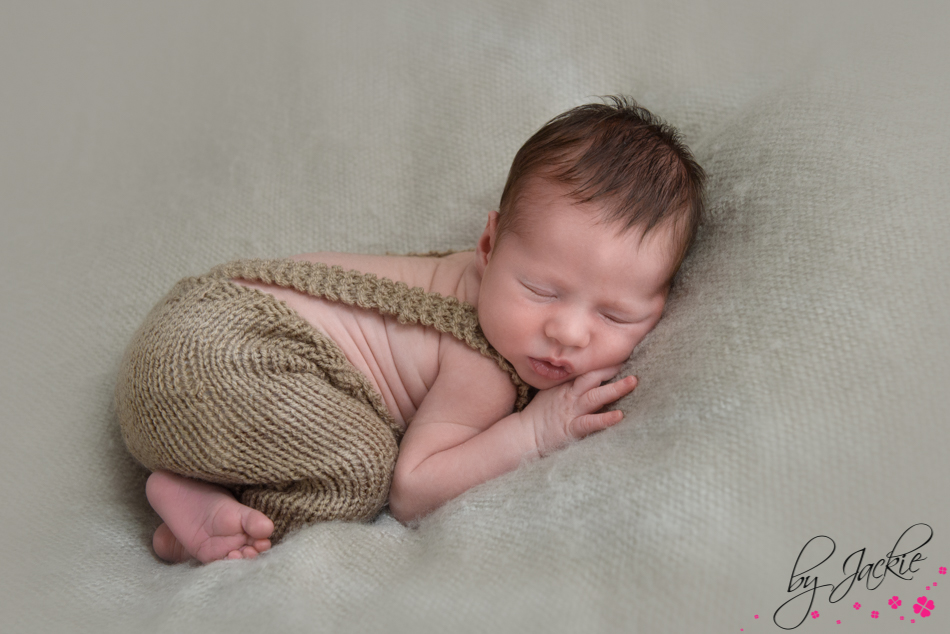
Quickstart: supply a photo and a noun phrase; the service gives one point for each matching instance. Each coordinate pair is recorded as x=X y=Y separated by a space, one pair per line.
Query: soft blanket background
x=797 y=386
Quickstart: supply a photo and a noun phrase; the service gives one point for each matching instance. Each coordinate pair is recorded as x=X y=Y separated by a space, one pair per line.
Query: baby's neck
x=455 y=275
x=469 y=278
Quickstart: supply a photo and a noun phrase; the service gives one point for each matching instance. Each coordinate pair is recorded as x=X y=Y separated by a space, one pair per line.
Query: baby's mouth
x=552 y=369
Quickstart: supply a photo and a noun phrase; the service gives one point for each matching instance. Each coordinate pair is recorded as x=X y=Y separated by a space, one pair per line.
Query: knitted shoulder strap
x=366 y=290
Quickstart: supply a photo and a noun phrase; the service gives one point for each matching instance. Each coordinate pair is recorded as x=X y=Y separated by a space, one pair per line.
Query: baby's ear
x=486 y=243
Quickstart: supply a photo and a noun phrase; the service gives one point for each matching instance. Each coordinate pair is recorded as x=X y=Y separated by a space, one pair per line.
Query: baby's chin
x=544 y=385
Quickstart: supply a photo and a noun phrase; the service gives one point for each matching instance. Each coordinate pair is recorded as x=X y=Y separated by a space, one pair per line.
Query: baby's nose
x=569 y=330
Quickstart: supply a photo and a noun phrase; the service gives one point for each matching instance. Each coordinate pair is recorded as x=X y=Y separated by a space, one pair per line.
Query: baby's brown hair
x=619 y=153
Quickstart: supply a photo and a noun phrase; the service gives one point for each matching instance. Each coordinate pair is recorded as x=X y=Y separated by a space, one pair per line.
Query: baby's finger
x=582 y=426
x=596 y=398
x=592 y=379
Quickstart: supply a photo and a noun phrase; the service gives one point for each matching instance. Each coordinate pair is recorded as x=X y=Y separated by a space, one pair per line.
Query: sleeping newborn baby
x=271 y=394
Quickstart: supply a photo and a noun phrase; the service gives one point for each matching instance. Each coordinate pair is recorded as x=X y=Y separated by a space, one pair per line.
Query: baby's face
x=567 y=294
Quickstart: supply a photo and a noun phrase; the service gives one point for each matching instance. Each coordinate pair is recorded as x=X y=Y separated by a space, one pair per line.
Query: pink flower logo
x=943 y=570
x=874 y=614
x=814 y=614
x=894 y=602
x=923 y=607
x=857 y=606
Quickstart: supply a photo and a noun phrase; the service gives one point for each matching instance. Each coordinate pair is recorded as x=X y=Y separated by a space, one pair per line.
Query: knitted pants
x=226 y=384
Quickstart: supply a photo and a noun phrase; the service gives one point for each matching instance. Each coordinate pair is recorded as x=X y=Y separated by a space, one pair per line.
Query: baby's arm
x=463 y=434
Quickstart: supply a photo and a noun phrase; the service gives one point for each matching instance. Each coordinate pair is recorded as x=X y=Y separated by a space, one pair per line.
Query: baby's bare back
x=402 y=361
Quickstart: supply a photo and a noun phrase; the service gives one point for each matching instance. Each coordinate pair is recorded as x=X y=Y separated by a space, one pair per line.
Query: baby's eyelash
x=617 y=320
x=537 y=292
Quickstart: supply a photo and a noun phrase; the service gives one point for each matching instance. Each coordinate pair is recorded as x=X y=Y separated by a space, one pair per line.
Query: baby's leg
x=204 y=521
x=228 y=385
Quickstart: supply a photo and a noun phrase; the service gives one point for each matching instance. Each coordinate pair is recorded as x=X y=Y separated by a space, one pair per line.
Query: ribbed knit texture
x=226 y=384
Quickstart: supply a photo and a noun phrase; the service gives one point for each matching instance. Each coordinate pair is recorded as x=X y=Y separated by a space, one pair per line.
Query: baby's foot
x=204 y=521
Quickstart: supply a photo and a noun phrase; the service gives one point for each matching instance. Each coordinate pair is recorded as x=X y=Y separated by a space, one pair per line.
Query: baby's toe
x=260 y=545
x=167 y=546
x=258 y=526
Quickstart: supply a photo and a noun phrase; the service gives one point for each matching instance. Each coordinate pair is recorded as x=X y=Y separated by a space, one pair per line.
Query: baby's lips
x=561 y=363
x=550 y=369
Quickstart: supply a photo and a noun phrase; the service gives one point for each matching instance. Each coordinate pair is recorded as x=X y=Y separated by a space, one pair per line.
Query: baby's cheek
x=622 y=348
x=502 y=333
x=516 y=324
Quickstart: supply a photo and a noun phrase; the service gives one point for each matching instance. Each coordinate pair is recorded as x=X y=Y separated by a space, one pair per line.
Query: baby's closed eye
x=623 y=319
x=616 y=319
x=539 y=291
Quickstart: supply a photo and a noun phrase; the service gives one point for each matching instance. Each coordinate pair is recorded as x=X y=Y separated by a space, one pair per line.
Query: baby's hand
x=566 y=412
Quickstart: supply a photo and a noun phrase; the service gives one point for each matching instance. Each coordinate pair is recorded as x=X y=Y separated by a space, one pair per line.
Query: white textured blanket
x=797 y=387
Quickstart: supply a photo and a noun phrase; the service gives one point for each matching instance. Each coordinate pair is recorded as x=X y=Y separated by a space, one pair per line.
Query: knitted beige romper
x=227 y=384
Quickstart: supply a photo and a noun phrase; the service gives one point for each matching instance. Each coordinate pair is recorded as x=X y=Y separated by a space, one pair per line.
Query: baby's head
x=619 y=156
x=600 y=208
